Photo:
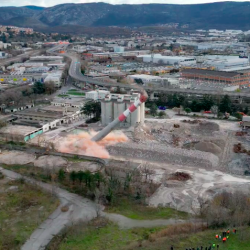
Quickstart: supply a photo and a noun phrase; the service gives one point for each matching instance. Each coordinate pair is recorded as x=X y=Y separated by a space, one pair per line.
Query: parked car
x=162 y=107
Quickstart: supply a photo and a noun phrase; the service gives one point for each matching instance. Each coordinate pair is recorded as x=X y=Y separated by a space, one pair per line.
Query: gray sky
x=48 y=3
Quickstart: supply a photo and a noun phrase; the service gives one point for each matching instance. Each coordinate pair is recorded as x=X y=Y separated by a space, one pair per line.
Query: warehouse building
x=233 y=78
x=169 y=60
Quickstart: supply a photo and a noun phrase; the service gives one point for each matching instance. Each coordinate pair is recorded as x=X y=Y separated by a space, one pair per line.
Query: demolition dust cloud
x=81 y=144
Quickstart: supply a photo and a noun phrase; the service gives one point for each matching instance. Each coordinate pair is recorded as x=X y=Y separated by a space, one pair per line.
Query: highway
x=75 y=73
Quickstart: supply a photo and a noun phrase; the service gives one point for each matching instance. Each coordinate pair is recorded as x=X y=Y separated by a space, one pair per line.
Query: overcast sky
x=47 y=3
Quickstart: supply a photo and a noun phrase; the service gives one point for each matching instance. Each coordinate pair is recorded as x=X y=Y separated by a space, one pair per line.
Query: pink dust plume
x=81 y=144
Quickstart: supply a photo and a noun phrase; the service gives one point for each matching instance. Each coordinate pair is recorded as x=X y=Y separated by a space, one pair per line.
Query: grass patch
x=63 y=95
x=30 y=171
x=75 y=93
x=135 y=211
x=100 y=234
x=240 y=241
x=22 y=210
x=235 y=242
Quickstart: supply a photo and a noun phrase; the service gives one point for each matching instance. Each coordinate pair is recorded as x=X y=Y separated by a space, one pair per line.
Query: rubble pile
x=180 y=176
x=191 y=121
x=206 y=146
x=208 y=127
x=167 y=154
x=239 y=148
x=142 y=133
x=240 y=133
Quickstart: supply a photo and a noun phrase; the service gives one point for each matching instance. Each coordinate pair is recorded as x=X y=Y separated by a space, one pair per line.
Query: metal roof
x=211 y=72
x=246 y=118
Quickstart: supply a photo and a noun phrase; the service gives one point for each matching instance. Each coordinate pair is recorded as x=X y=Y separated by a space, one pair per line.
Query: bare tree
x=50 y=87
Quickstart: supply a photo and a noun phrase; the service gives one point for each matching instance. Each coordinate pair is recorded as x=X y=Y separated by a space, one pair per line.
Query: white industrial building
x=4 y=45
x=170 y=60
x=55 y=77
x=3 y=54
x=118 y=49
x=114 y=105
x=26 y=65
x=46 y=58
x=221 y=63
x=96 y=95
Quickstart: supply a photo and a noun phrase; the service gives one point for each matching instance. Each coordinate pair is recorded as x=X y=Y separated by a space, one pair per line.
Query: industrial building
x=170 y=60
x=74 y=103
x=46 y=58
x=225 y=62
x=246 y=121
x=55 y=78
x=234 y=78
x=114 y=104
x=145 y=78
x=97 y=95
x=118 y=49
x=19 y=132
x=48 y=117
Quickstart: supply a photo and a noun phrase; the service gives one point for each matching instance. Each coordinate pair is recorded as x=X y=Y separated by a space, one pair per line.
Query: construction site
x=190 y=160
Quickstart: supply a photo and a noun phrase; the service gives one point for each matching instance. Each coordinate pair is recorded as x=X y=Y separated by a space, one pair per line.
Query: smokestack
x=104 y=132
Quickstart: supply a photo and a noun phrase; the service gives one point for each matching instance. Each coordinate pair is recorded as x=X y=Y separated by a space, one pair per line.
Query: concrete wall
x=31 y=136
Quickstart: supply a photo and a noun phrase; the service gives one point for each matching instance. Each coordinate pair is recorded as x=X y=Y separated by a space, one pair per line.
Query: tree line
x=108 y=187
x=196 y=105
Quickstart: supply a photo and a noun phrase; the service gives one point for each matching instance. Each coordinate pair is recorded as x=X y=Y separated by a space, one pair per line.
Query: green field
x=100 y=235
x=63 y=95
x=135 y=211
x=104 y=235
x=240 y=241
x=22 y=210
x=75 y=93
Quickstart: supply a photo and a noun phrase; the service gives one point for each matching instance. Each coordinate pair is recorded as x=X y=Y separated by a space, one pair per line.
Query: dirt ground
x=47 y=161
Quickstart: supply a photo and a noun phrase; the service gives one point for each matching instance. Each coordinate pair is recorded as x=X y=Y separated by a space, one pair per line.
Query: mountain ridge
x=222 y=15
